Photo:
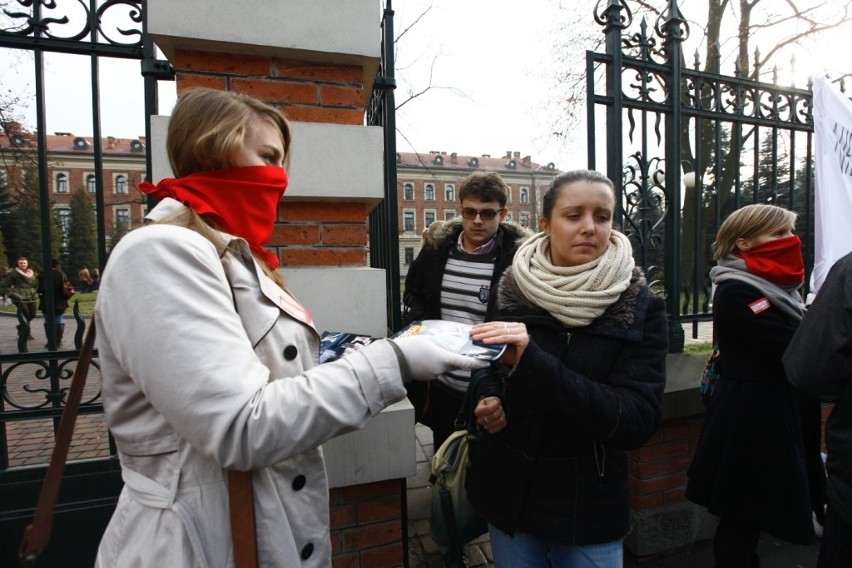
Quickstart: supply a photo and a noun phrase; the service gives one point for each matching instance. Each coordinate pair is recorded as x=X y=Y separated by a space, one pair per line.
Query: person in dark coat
x=757 y=465
x=463 y=257
x=819 y=361
x=60 y=302
x=581 y=382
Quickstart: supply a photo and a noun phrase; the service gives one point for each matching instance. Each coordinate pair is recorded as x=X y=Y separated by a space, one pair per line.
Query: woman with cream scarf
x=757 y=465
x=580 y=383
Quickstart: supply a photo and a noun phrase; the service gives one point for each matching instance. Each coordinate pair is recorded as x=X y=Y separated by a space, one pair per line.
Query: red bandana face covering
x=779 y=261
x=241 y=201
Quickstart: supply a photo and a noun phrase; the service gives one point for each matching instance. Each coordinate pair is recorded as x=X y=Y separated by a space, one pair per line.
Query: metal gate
x=34 y=378
x=686 y=147
x=384 y=219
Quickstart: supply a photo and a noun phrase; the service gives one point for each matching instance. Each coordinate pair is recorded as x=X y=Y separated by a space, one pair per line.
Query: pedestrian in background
x=21 y=286
x=85 y=279
x=757 y=465
x=819 y=361
x=208 y=363
x=581 y=383
x=60 y=302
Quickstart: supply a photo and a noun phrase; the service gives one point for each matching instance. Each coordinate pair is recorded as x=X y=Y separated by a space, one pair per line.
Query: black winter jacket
x=577 y=399
x=819 y=361
x=422 y=299
x=752 y=462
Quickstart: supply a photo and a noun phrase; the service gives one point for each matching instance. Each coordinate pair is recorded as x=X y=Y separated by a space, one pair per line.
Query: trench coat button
x=307 y=551
x=290 y=352
x=299 y=482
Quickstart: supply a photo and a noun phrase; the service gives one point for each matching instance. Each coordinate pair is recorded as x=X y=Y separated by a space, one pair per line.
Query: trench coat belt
x=151 y=494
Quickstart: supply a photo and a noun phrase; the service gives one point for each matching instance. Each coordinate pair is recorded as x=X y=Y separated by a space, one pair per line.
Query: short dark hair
x=484 y=186
x=565 y=178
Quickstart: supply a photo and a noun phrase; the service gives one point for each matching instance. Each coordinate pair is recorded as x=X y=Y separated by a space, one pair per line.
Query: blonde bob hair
x=208 y=129
x=748 y=223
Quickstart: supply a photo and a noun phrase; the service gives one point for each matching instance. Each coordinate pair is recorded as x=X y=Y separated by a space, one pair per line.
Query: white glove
x=426 y=357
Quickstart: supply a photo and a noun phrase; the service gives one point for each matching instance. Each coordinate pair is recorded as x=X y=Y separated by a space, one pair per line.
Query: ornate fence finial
x=611 y=16
x=671 y=25
x=696 y=60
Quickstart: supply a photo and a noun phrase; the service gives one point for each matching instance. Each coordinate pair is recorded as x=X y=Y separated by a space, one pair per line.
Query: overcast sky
x=489 y=62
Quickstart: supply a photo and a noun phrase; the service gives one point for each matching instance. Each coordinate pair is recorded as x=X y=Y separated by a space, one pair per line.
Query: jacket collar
x=168 y=208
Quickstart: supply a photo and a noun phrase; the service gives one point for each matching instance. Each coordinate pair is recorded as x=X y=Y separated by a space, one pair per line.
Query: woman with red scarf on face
x=757 y=465
x=208 y=362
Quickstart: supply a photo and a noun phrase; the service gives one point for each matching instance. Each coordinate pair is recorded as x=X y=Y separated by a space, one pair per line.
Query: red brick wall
x=307 y=233
x=657 y=470
x=366 y=525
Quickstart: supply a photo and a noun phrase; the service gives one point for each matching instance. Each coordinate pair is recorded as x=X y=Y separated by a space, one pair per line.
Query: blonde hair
x=208 y=129
x=749 y=222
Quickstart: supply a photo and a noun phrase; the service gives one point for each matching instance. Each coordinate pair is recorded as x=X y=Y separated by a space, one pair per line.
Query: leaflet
x=455 y=336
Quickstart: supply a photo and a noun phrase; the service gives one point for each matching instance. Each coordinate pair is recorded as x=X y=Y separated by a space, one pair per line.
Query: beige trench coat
x=204 y=369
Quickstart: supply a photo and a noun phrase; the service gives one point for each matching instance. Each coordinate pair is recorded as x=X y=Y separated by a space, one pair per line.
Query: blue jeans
x=525 y=551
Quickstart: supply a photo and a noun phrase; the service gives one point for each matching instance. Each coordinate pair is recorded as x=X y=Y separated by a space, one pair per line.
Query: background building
x=428 y=186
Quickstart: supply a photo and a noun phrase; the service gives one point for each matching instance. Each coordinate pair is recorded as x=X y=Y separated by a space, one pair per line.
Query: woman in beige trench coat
x=208 y=362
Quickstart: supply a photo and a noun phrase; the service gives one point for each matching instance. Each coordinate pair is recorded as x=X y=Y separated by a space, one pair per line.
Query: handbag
x=37 y=533
x=709 y=377
x=67 y=289
x=453 y=520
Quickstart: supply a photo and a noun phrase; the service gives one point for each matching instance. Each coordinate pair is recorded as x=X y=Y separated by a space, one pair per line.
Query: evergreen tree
x=6 y=203
x=4 y=260
x=26 y=217
x=82 y=234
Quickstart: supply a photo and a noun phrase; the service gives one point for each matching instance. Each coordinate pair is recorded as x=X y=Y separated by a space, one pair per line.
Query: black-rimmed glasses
x=484 y=214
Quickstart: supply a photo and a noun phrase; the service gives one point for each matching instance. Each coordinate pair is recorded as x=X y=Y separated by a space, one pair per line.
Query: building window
x=428 y=218
x=409 y=255
x=449 y=192
x=408 y=192
x=525 y=219
x=61 y=183
x=449 y=214
x=525 y=195
x=429 y=192
x=508 y=193
x=122 y=219
x=408 y=221
x=63 y=220
x=121 y=184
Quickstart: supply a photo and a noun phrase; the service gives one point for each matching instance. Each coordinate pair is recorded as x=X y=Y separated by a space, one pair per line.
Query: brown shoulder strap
x=241 y=501
x=38 y=532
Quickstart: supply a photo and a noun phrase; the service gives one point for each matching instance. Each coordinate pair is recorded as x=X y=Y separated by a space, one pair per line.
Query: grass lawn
x=87 y=304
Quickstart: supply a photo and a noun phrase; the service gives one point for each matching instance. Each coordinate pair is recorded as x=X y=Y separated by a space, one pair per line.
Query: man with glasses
x=454 y=278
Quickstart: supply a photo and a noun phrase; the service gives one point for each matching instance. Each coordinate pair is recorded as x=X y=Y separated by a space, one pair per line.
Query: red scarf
x=779 y=261
x=241 y=201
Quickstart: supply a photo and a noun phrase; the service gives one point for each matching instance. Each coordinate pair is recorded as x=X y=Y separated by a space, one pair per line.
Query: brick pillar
x=317 y=62
x=307 y=233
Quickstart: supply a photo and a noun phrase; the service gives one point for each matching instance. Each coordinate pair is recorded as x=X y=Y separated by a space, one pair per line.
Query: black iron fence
x=384 y=219
x=686 y=147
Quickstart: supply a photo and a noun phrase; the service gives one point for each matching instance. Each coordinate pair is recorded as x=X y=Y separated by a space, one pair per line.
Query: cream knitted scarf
x=574 y=295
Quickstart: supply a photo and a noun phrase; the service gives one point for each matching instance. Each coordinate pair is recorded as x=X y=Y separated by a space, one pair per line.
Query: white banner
x=833 y=172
